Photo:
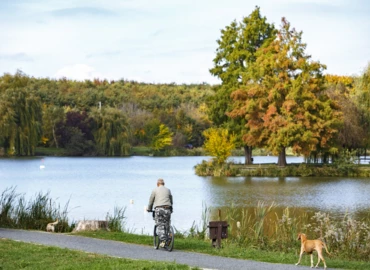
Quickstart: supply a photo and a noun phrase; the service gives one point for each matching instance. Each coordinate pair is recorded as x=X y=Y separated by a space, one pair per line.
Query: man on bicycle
x=161 y=199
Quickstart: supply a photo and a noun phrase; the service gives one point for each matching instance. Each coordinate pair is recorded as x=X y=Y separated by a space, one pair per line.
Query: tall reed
x=264 y=228
x=116 y=221
x=16 y=212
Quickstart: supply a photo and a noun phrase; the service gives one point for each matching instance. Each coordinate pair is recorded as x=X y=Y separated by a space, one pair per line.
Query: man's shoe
x=162 y=244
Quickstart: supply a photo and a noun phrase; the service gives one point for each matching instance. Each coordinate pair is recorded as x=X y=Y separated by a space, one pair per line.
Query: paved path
x=123 y=250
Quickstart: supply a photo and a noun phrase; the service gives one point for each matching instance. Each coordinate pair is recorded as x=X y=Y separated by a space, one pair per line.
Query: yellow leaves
x=348 y=81
x=219 y=143
x=44 y=140
x=162 y=139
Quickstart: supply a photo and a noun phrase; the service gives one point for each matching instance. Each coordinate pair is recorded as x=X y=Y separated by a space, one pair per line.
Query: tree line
x=99 y=117
x=271 y=95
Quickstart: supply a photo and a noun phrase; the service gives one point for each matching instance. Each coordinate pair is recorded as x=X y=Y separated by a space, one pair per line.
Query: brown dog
x=309 y=246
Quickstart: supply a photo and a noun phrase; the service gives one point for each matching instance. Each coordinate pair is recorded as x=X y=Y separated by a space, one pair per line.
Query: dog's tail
x=55 y=223
x=324 y=245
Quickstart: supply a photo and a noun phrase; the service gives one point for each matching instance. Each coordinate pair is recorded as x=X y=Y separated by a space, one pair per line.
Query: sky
x=166 y=41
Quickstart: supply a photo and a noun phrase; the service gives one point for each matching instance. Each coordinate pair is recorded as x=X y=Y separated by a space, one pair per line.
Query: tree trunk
x=282 y=158
x=248 y=155
x=55 y=138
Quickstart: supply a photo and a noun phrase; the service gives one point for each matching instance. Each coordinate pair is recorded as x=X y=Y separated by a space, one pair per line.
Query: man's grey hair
x=160 y=182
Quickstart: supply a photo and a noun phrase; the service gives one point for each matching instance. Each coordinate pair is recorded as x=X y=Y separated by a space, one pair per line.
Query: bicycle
x=169 y=233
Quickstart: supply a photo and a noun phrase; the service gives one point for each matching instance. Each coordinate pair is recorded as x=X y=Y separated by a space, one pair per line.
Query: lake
x=94 y=186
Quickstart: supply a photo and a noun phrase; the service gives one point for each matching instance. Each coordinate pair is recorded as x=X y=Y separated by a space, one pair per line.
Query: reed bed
x=16 y=212
x=210 y=168
x=263 y=228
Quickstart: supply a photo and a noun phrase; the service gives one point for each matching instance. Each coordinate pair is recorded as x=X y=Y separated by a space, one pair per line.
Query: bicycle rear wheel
x=170 y=238
x=155 y=238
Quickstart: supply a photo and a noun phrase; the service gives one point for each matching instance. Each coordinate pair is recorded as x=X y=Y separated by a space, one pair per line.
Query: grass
x=231 y=250
x=50 y=151
x=18 y=255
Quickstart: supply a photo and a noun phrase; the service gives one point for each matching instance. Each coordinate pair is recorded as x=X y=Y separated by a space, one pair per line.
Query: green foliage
x=74 y=133
x=35 y=214
x=162 y=139
x=20 y=120
x=235 y=54
x=51 y=115
x=284 y=102
x=116 y=221
x=62 y=114
x=112 y=132
x=362 y=99
x=211 y=168
x=236 y=51
x=219 y=143
x=340 y=168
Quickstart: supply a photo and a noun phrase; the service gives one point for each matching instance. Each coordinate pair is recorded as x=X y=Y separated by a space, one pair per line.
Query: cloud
x=79 y=72
x=20 y=57
x=83 y=11
x=103 y=54
x=181 y=52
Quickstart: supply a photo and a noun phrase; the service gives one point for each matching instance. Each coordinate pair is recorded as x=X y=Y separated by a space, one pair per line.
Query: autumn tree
x=284 y=101
x=234 y=56
x=219 y=143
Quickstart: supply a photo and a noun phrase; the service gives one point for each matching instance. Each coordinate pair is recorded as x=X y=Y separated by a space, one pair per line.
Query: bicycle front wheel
x=170 y=239
x=155 y=238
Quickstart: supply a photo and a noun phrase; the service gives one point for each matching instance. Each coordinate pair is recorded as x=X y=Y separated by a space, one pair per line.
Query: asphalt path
x=133 y=251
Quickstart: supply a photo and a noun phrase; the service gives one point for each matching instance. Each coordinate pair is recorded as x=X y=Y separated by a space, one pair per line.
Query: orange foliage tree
x=283 y=100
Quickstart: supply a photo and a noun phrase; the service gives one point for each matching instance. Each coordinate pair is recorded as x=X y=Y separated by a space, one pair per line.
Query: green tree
x=219 y=143
x=352 y=134
x=51 y=115
x=20 y=121
x=362 y=99
x=234 y=56
x=162 y=139
x=285 y=102
x=112 y=132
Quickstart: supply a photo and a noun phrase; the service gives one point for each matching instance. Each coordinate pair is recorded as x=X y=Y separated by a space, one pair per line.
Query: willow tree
x=234 y=56
x=284 y=100
x=112 y=132
x=20 y=121
x=362 y=94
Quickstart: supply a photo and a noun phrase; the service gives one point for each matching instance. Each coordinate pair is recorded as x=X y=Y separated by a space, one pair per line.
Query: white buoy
x=131 y=201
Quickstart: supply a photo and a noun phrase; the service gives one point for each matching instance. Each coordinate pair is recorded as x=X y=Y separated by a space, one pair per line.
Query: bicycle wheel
x=155 y=238
x=170 y=238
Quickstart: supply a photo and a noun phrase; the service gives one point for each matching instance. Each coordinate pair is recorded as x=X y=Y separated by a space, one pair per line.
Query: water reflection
x=337 y=196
